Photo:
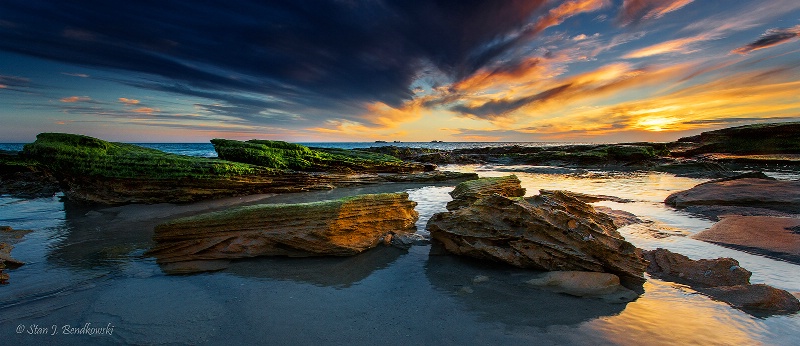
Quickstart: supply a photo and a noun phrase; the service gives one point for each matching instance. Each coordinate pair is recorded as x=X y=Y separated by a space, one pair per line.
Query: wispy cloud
x=128 y=101
x=772 y=37
x=682 y=46
x=81 y=75
x=635 y=11
x=73 y=99
x=145 y=110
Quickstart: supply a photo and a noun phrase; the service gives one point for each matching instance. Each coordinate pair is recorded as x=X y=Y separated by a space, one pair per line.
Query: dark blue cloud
x=307 y=55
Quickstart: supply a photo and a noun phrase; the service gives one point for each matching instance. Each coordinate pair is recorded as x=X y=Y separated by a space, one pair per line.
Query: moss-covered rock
x=283 y=155
x=93 y=170
x=73 y=155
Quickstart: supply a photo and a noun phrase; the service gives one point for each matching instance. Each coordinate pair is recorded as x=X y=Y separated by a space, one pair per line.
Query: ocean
x=88 y=265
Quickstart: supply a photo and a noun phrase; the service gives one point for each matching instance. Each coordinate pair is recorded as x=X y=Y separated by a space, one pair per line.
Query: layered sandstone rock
x=468 y=192
x=338 y=228
x=552 y=231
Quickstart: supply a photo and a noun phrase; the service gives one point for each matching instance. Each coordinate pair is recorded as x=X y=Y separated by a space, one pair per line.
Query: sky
x=350 y=70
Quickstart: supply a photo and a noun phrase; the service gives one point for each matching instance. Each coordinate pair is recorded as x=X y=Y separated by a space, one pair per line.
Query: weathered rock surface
x=585 y=284
x=701 y=273
x=773 y=236
x=621 y=218
x=338 y=228
x=468 y=192
x=757 y=299
x=778 y=195
x=25 y=178
x=551 y=231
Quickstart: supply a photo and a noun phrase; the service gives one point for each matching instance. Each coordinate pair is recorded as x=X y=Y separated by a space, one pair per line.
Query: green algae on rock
x=94 y=170
x=283 y=155
x=340 y=227
x=70 y=154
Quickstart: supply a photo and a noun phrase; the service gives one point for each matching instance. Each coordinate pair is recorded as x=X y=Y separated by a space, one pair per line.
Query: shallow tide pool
x=88 y=266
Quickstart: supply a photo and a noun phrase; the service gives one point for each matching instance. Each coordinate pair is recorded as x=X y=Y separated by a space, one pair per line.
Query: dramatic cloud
x=394 y=69
x=331 y=56
x=772 y=37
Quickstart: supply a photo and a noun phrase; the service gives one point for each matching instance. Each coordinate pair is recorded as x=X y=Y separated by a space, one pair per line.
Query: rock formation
x=552 y=231
x=778 y=195
x=338 y=228
x=283 y=155
x=96 y=171
x=697 y=273
x=775 y=138
x=722 y=279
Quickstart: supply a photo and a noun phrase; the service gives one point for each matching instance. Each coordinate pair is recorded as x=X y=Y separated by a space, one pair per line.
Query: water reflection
x=338 y=272
x=666 y=314
x=499 y=294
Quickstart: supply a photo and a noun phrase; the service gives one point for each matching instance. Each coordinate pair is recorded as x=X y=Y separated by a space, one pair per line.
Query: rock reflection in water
x=338 y=272
x=498 y=293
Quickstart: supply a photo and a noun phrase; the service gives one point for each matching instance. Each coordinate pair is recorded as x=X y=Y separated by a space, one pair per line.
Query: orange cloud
x=145 y=110
x=3 y=86
x=128 y=101
x=742 y=98
x=568 y=9
x=73 y=99
x=682 y=45
x=634 y=11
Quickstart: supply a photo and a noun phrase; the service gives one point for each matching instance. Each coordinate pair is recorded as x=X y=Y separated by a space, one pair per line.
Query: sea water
x=89 y=266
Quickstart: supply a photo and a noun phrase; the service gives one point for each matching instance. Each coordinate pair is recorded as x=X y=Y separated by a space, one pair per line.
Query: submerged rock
x=552 y=231
x=468 y=192
x=341 y=227
x=585 y=284
x=772 y=236
x=703 y=273
x=722 y=279
x=758 y=299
